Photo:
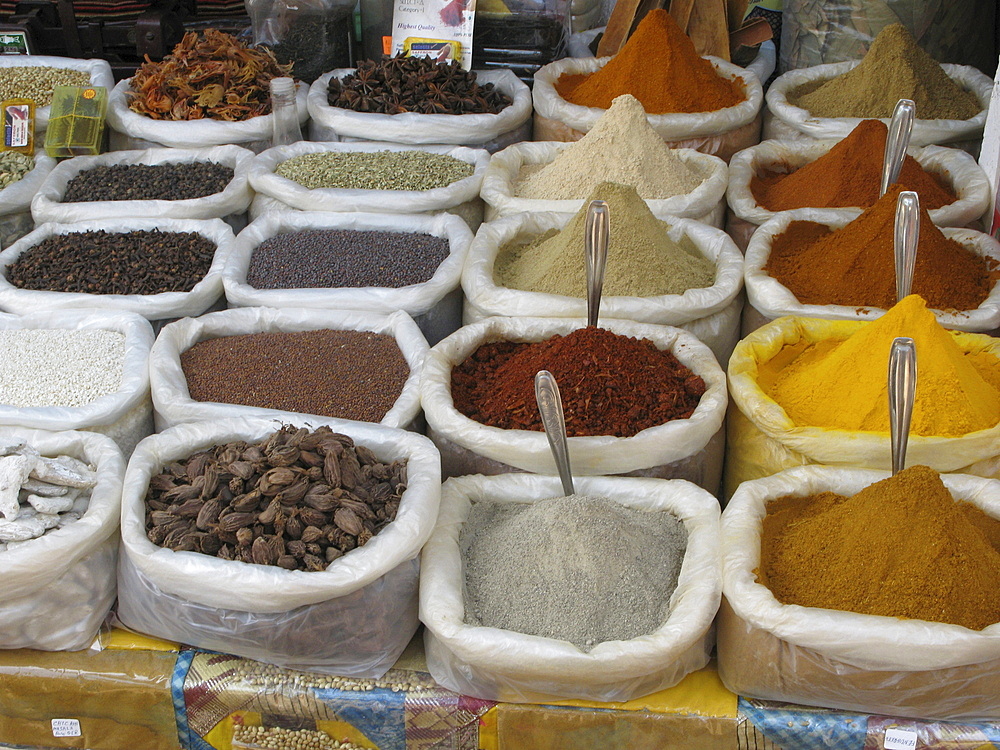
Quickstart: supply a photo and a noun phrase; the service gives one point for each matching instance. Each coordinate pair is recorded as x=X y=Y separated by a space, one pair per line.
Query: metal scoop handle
x=897 y=141
x=902 y=389
x=905 y=239
x=596 y=255
x=553 y=420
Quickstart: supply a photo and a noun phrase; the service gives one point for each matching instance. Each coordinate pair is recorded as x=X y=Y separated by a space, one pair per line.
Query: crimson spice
x=610 y=384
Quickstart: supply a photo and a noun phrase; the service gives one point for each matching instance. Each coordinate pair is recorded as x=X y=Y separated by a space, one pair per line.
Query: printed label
x=17 y=125
x=66 y=728
x=441 y=29
x=14 y=43
x=900 y=739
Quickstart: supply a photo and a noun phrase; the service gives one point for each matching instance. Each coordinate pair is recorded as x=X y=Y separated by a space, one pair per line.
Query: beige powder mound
x=622 y=147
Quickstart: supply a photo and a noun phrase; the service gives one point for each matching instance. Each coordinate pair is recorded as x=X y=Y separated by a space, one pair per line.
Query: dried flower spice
x=211 y=76
x=415 y=84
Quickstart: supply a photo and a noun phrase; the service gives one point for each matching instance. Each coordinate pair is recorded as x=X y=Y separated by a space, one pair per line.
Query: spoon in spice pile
x=596 y=255
x=550 y=407
x=906 y=235
x=896 y=142
x=902 y=389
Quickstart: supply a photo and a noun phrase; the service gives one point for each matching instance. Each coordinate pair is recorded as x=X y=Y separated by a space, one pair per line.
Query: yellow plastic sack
x=762 y=440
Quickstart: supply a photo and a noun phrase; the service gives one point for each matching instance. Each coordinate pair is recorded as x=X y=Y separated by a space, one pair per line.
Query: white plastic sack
x=762 y=440
x=476 y=130
x=353 y=619
x=151 y=306
x=706 y=203
x=57 y=589
x=962 y=174
x=233 y=200
x=130 y=130
x=681 y=449
x=770 y=299
x=264 y=180
x=99 y=70
x=172 y=401
x=722 y=133
x=15 y=200
x=435 y=305
x=690 y=310
x=503 y=665
x=125 y=415
x=856 y=662
x=785 y=121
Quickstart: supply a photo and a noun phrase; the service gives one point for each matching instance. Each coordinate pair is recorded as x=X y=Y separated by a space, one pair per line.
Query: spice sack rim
x=264 y=180
x=415 y=299
x=925 y=132
x=504 y=661
x=600 y=454
x=491 y=299
x=16 y=198
x=42 y=561
x=205 y=131
x=248 y=587
x=774 y=300
x=100 y=75
x=549 y=103
x=47 y=205
x=872 y=642
x=505 y=166
x=172 y=402
x=961 y=171
x=151 y=306
x=106 y=409
x=836 y=447
x=416 y=127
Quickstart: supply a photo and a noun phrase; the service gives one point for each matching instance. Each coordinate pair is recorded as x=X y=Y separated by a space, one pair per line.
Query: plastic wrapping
x=173 y=404
x=130 y=130
x=866 y=663
x=504 y=665
x=770 y=299
x=762 y=440
x=229 y=204
x=785 y=121
x=15 y=200
x=99 y=70
x=125 y=415
x=354 y=618
x=264 y=180
x=57 y=589
x=962 y=174
x=721 y=133
x=705 y=203
x=682 y=448
x=712 y=313
x=488 y=131
x=314 y=35
x=151 y=306
x=434 y=304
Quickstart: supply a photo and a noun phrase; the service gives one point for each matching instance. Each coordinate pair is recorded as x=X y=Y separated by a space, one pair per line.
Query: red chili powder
x=610 y=384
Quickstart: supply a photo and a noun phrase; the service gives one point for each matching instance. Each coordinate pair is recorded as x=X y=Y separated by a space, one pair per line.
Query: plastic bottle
x=286 y=118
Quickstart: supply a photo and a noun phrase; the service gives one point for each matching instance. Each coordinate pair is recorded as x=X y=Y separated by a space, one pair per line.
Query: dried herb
x=415 y=84
x=211 y=76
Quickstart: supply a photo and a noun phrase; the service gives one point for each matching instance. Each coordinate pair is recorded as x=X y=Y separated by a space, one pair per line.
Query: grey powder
x=581 y=569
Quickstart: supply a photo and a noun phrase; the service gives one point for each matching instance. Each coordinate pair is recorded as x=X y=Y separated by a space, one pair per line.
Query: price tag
x=66 y=728
x=900 y=739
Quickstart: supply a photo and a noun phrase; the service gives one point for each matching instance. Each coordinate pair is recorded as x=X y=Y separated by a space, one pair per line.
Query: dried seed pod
x=296 y=547
x=209 y=514
x=347 y=521
x=247 y=502
x=197 y=464
x=262 y=552
x=241 y=469
x=161 y=517
x=288 y=562
x=313 y=563
x=225 y=552
x=190 y=508
x=311 y=534
x=332 y=553
x=365 y=455
x=244 y=536
x=268 y=515
x=331 y=469
x=313 y=517
x=235 y=521
x=294 y=527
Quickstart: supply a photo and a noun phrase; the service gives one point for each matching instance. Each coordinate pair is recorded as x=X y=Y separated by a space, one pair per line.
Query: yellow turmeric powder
x=843 y=384
x=902 y=547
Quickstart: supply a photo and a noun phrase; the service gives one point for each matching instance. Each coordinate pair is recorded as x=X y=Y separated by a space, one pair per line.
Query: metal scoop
x=905 y=239
x=554 y=421
x=596 y=255
x=897 y=141
x=902 y=389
